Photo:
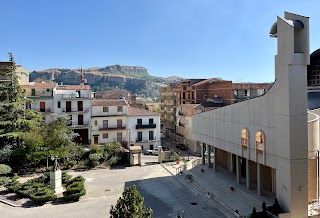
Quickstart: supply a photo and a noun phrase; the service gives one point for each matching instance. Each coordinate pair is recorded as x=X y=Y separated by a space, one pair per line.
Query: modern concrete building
x=143 y=128
x=109 y=119
x=264 y=140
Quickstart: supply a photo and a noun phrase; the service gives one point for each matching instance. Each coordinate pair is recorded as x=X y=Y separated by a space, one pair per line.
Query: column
x=247 y=174
x=209 y=157
x=139 y=159
x=258 y=179
x=215 y=158
x=160 y=154
x=131 y=159
x=238 y=173
x=230 y=162
x=203 y=161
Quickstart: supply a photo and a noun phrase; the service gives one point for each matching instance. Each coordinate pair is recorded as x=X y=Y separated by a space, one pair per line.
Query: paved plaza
x=162 y=192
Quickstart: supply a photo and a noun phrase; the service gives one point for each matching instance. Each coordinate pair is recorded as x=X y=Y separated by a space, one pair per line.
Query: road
x=172 y=146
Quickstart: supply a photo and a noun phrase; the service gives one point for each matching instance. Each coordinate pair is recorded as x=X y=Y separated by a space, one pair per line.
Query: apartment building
x=143 y=128
x=109 y=119
x=244 y=91
x=75 y=101
x=184 y=125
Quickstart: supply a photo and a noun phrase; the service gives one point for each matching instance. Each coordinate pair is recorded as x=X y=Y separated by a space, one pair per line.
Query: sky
x=187 y=38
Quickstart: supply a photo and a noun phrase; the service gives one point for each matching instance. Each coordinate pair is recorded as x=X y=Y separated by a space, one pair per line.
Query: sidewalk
x=215 y=187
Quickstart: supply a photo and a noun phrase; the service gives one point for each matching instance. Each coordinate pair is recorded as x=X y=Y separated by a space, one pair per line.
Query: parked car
x=181 y=146
x=154 y=151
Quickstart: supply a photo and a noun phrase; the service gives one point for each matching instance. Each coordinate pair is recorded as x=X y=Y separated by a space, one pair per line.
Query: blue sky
x=188 y=38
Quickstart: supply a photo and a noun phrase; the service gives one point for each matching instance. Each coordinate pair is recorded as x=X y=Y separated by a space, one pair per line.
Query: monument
x=55 y=177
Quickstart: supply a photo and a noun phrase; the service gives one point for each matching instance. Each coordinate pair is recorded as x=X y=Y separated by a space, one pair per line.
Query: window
x=244 y=138
x=119 y=108
x=139 y=136
x=259 y=142
x=105 y=109
x=105 y=124
x=139 y=121
x=105 y=135
x=96 y=122
x=33 y=92
x=151 y=121
x=260 y=91
x=59 y=104
x=48 y=90
x=151 y=135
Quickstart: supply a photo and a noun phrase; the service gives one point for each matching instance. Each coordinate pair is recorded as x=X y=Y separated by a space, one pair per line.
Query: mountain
x=132 y=78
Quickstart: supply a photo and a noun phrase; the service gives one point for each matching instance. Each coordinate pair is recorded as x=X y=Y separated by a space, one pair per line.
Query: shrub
x=65 y=178
x=4 y=169
x=95 y=158
x=43 y=195
x=13 y=186
x=15 y=177
x=75 y=189
x=4 y=180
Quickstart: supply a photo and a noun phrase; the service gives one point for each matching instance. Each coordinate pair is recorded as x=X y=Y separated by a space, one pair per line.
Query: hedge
x=43 y=195
x=4 y=169
x=13 y=186
x=4 y=180
x=75 y=189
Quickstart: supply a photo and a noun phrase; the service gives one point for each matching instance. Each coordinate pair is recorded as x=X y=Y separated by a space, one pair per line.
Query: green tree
x=130 y=205
x=15 y=119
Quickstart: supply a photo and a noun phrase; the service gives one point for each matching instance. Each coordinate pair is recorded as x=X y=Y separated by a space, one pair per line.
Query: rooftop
x=189 y=105
x=73 y=87
x=40 y=85
x=210 y=80
x=132 y=111
x=109 y=102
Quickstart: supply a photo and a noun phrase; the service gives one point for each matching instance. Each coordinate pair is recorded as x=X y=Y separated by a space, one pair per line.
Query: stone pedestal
x=159 y=154
x=56 y=181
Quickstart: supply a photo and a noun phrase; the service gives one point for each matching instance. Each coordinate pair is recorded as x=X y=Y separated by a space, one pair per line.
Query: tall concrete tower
x=291 y=62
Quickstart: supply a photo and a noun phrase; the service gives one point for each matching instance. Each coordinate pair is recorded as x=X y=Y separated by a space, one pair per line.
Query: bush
x=13 y=186
x=75 y=189
x=4 y=180
x=15 y=177
x=43 y=195
x=4 y=169
x=66 y=178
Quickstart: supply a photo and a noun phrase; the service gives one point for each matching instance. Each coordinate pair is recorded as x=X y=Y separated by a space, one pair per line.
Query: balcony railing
x=122 y=139
x=70 y=110
x=112 y=127
x=146 y=139
x=110 y=114
x=147 y=126
x=75 y=95
x=84 y=123
x=45 y=110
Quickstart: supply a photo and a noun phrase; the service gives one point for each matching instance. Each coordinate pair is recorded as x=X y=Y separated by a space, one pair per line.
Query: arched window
x=244 y=138
x=259 y=141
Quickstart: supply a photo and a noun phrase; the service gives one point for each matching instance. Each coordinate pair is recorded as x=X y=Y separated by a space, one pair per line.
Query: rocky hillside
x=134 y=79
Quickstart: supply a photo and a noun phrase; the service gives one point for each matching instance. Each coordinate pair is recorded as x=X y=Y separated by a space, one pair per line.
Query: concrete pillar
x=230 y=162
x=203 y=161
x=259 y=179
x=139 y=159
x=209 y=158
x=56 y=181
x=247 y=174
x=160 y=154
x=215 y=159
x=238 y=169
x=131 y=159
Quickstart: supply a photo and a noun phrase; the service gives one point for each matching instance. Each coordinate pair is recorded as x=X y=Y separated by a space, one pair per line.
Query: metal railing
x=75 y=110
x=111 y=127
x=48 y=110
x=146 y=140
x=84 y=123
x=122 y=139
x=146 y=126
x=74 y=96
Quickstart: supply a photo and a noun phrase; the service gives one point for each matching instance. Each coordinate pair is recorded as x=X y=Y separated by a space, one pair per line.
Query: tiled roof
x=132 y=111
x=207 y=81
x=38 y=85
x=189 y=105
x=73 y=87
x=109 y=102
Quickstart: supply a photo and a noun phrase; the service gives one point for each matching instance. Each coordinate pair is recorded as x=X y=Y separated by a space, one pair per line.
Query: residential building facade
x=143 y=128
x=109 y=121
x=245 y=91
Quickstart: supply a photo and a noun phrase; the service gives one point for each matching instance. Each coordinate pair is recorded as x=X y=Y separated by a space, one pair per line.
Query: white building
x=143 y=128
x=109 y=118
x=75 y=100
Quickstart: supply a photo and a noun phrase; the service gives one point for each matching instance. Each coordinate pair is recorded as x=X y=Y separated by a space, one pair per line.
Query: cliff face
x=132 y=78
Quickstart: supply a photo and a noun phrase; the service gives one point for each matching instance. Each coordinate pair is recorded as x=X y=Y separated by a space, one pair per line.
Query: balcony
x=168 y=97
x=154 y=139
x=147 y=126
x=74 y=95
x=122 y=139
x=73 y=110
x=44 y=110
x=79 y=124
x=112 y=127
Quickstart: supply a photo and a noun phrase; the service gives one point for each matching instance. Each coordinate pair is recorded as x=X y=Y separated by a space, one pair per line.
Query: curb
x=8 y=203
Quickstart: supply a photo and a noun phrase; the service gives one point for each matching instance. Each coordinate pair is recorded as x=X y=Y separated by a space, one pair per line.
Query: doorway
x=80 y=119
x=42 y=106
x=68 y=106
x=80 y=105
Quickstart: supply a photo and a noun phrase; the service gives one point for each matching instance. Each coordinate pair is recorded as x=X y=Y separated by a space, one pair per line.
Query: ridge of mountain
x=135 y=79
